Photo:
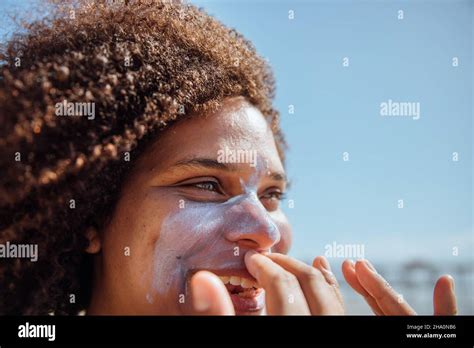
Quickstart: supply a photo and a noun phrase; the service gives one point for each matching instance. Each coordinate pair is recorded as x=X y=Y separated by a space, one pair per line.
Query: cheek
x=184 y=234
x=131 y=240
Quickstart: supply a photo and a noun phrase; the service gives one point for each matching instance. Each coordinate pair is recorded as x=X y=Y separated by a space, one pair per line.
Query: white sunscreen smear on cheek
x=196 y=237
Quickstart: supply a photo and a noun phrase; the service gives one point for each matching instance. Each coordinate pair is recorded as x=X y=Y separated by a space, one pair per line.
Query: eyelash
x=214 y=184
x=274 y=194
x=277 y=194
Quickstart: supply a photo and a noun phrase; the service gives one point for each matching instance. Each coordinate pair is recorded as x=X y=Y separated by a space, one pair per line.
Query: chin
x=257 y=312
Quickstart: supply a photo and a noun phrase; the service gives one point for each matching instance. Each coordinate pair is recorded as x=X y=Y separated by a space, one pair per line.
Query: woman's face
x=190 y=205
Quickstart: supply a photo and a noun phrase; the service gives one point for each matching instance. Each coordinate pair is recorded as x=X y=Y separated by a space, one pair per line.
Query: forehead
x=236 y=124
x=237 y=119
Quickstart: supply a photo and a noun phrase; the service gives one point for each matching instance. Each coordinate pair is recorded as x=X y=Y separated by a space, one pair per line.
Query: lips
x=247 y=297
x=245 y=294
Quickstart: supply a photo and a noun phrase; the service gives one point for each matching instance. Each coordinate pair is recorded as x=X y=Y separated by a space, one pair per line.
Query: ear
x=93 y=237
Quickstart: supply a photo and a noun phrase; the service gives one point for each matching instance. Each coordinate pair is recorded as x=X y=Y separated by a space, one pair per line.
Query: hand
x=384 y=300
x=291 y=287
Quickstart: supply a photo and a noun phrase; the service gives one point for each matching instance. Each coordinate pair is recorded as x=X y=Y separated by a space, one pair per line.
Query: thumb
x=444 y=298
x=210 y=296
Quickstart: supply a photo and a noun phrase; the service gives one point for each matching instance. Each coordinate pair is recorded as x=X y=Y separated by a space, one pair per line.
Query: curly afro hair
x=144 y=65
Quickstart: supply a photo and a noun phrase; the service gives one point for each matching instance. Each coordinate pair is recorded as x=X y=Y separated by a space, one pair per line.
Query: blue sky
x=337 y=110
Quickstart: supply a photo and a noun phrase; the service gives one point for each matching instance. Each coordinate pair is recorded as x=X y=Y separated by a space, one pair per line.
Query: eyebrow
x=228 y=167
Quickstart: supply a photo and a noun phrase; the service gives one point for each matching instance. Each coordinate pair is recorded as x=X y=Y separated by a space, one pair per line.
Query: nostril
x=248 y=244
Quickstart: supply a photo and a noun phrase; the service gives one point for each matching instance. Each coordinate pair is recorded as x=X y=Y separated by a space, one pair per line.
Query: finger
x=283 y=294
x=389 y=301
x=321 y=263
x=319 y=294
x=444 y=297
x=210 y=297
x=348 y=270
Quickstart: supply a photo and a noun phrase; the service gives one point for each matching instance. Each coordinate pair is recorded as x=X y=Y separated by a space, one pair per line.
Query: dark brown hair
x=144 y=65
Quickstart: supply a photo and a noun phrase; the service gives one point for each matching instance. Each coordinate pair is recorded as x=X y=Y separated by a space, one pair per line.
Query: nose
x=250 y=225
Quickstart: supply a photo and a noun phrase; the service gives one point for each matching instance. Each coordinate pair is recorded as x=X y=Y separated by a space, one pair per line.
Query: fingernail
x=351 y=263
x=325 y=264
x=451 y=282
x=202 y=301
x=372 y=268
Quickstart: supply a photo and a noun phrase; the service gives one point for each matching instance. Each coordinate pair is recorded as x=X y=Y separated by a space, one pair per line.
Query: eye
x=275 y=194
x=271 y=199
x=207 y=185
x=202 y=185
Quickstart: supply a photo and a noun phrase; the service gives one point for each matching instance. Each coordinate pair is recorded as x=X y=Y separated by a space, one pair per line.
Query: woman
x=114 y=117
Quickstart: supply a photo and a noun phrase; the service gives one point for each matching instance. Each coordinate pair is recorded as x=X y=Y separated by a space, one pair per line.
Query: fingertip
x=202 y=276
x=204 y=281
x=250 y=262
x=444 y=296
x=365 y=264
x=349 y=273
x=364 y=273
x=347 y=269
x=249 y=257
x=451 y=281
x=325 y=262
x=196 y=278
x=249 y=254
x=209 y=295
x=359 y=265
x=348 y=264
x=321 y=258
x=316 y=261
x=201 y=286
x=445 y=281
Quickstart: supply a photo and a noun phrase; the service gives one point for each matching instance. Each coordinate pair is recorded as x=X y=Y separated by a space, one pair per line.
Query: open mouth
x=244 y=292
x=239 y=286
x=247 y=297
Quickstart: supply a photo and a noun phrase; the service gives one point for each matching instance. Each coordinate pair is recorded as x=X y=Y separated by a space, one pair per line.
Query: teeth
x=247 y=283
x=235 y=280
x=243 y=282
x=224 y=279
